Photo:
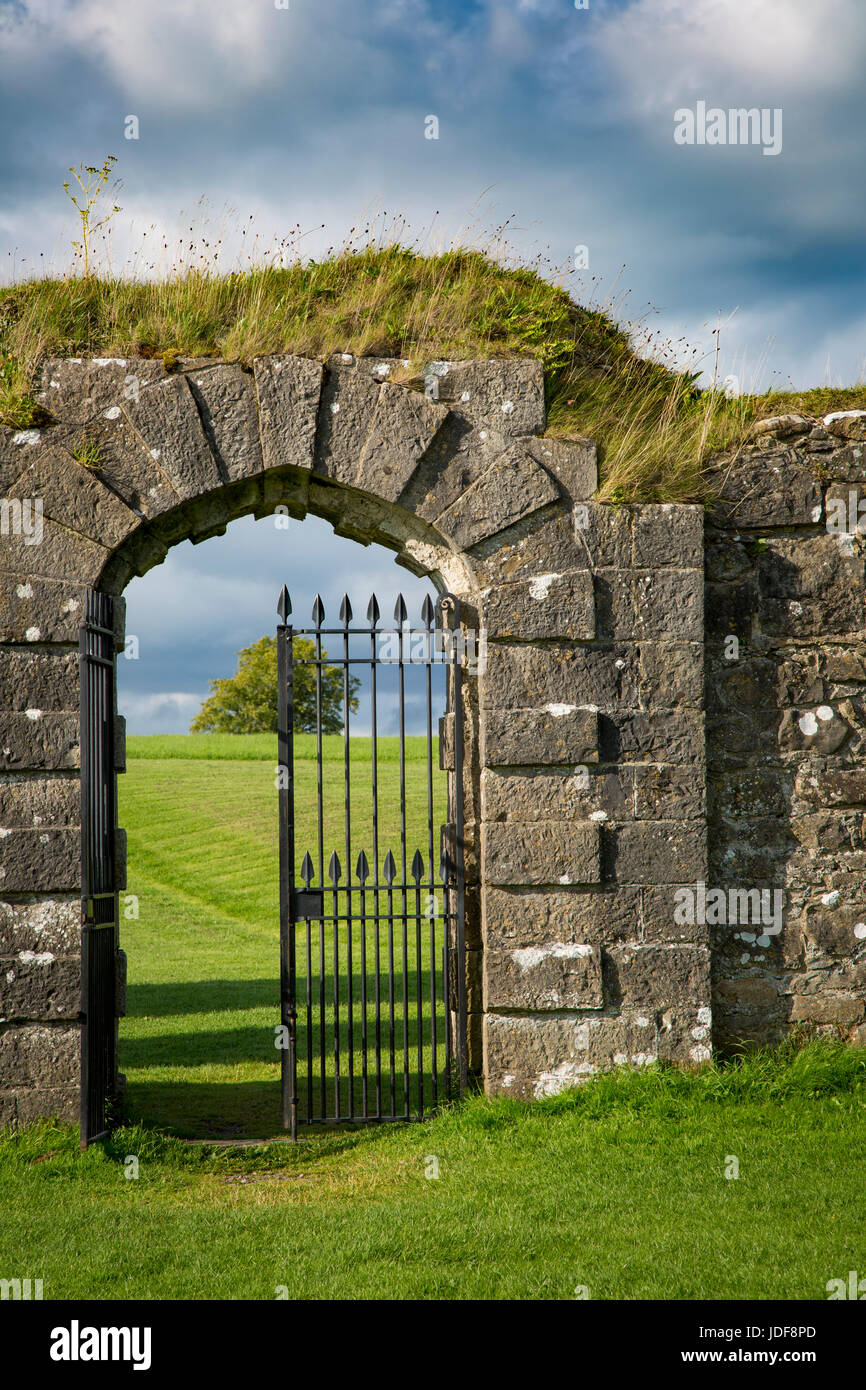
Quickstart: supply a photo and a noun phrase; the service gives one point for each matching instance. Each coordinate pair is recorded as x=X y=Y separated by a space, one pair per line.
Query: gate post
x=285 y=774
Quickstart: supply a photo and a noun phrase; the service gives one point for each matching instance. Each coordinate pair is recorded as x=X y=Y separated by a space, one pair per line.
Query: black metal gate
x=98 y=880
x=372 y=929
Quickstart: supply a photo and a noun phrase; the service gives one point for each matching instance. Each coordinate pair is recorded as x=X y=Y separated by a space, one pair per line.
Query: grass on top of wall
x=653 y=424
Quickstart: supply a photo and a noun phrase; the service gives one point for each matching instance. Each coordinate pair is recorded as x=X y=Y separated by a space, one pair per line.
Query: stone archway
x=584 y=784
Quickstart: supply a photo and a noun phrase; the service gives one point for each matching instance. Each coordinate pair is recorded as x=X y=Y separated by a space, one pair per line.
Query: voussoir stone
x=347 y=407
x=507 y=396
x=513 y=487
x=289 y=390
x=226 y=399
x=573 y=462
x=403 y=426
x=166 y=418
x=75 y=497
x=78 y=390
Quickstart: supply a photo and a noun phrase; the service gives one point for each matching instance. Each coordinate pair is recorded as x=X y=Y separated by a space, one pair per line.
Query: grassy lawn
x=200 y=811
x=619 y=1188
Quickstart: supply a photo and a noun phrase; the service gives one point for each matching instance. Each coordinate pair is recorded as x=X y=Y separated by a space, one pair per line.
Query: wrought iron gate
x=372 y=925
x=98 y=880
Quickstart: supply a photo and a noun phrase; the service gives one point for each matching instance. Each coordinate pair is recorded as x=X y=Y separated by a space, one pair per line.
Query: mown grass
x=654 y=425
x=618 y=1188
x=200 y=812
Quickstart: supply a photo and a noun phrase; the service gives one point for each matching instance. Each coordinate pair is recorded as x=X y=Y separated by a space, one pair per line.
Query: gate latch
x=308 y=902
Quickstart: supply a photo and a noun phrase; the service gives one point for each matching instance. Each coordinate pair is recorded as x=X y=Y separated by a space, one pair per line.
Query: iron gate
x=98 y=880
x=372 y=924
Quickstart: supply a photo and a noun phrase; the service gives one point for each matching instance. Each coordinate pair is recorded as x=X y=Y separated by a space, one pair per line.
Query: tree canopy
x=246 y=703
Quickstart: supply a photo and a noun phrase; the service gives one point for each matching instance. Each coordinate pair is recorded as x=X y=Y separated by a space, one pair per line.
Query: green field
x=624 y=1188
x=200 y=811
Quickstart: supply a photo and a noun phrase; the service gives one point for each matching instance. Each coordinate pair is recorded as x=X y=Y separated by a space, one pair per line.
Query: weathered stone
x=657 y=976
x=573 y=462
x=39 y=740
x=513 y=487
x=560 y=680
x=40 y=860
x=846 y=424
x=671 y=675
x=346 y=409
x=661 y=852
x=550 y=605
x=403 y=427
x=79 y=390
x=36 y=1102
x=779 y=427
x=289 y=390
x=72 y=495
x=547 y=975
x=839 y=1010
x=54 y=801
x=668 y=535
x=546 y=852
x=58 y=554
x=35 y=1053
x=650 y=603
x=838 y=929
x=541 y=795
x=809 y=587
x=669 y=793
x=761 y=488
x=167 y=420
x=669 y=736
x=561 y=734
x=226 y=399
x=821 y=732
x=120 y=461
x=39 y=986
x=43 y=610
x=832 y=787
x=40 y=926
x=507 y=396
x=38 y=679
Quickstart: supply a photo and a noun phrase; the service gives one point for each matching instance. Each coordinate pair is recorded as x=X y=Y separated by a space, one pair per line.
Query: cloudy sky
x=561 y=119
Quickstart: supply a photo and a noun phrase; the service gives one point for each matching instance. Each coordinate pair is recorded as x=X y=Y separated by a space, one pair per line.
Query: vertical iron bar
x=346 y=614
x=457 y=667
x=404 y=901
x=285 y=760
x=372 y=616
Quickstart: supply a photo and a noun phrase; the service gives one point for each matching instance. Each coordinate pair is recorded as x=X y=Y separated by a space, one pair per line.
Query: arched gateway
x=581 y=800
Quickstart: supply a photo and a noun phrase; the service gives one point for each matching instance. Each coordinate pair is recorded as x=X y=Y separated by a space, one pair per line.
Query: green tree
x=246 y=703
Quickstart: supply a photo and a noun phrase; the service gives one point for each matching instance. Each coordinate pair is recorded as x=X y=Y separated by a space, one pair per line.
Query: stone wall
x=786 y=727
x=586 y=753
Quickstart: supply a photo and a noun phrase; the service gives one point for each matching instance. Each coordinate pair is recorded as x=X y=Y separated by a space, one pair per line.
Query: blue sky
x=557 y=118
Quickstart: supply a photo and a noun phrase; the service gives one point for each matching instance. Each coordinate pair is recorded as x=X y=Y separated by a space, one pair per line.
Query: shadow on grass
x=202 y=997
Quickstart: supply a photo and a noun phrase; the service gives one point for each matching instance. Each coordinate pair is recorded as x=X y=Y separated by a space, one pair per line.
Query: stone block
x=545 y=794
x=38 y=801
x=545 y=852
x=40 y=740
x=403 y=427
x=665 y=736
x=561 y=680
x=513 y=487
x=573 y=462
x=166 y=419
x=44 y=860
x=41 y=925
x=549 y=975
x=560 y=734
x=763 y=488
x=668 y=535
x=39 y=986
x=38 y=1054
x=657 y=852
x=548 y=605
x=289 y=391
x=226 y=398
x=507 y=396
x=38 y=680
x=347 y=406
